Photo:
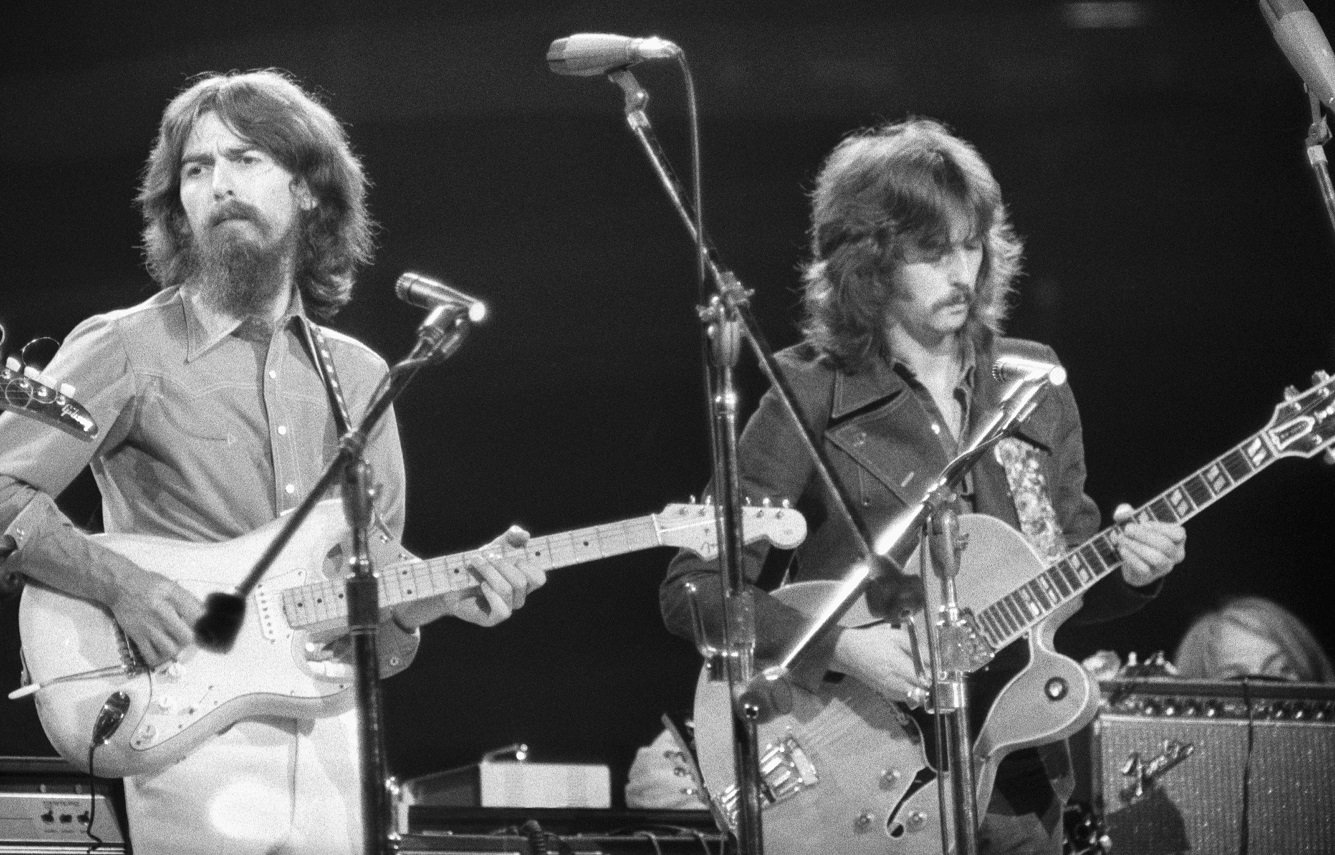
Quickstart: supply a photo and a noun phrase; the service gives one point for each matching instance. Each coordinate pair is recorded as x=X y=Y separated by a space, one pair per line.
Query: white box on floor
x=514 y=784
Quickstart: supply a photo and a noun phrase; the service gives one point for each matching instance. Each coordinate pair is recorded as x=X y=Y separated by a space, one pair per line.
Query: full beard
x=239 y=275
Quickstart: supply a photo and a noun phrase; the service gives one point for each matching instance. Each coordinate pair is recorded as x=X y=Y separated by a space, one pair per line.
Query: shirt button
x=860 y=438
x=936 y=428
x=290 y=489
x=273 y=375
x=282 y=430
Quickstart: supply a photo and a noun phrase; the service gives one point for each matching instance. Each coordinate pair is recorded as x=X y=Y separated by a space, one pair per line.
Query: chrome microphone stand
x=728 y=318
x=954 y=651
x=949 y=698
x=1317 y=137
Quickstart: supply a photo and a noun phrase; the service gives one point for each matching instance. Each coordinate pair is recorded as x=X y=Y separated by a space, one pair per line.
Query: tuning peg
x=1291 y=393
x=1319 y=377
x=765 y=502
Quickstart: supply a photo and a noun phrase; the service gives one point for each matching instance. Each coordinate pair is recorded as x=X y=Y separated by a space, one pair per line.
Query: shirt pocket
x=206 y=408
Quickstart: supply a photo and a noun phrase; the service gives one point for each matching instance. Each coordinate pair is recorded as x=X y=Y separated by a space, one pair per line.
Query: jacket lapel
x=877 y=420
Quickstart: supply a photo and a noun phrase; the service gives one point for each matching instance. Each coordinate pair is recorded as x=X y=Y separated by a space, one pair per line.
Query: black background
x=1179 y=260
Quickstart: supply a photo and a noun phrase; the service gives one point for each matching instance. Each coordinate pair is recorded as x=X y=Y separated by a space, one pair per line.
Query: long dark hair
x=878 y=191
x=270 y=110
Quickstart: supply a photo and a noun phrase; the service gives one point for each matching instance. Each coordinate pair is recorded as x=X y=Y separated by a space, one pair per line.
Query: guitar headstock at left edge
x=29 y=394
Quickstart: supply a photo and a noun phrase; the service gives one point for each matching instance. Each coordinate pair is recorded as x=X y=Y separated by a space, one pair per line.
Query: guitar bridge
x=131 y=662
x=785 y=771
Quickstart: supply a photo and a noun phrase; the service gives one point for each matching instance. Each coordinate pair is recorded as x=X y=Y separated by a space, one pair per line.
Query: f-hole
x=894 y=826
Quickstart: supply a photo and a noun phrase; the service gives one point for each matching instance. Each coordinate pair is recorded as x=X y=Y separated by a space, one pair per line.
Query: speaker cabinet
x=1203 y=767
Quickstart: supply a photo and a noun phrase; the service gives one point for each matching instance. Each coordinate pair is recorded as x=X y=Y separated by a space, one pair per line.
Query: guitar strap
x=1033 y=500
x=1038 y=523
x=324 y=366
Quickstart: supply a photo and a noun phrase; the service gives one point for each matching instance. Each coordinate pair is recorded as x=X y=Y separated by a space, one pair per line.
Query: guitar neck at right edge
x=1302 y=426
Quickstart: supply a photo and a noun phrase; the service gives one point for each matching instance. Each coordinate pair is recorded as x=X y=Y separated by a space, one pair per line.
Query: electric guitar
x=87 y=678
x=846 y=771
x=25 y=391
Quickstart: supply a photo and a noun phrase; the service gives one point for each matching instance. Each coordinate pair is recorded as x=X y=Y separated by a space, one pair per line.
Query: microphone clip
x=442 y=333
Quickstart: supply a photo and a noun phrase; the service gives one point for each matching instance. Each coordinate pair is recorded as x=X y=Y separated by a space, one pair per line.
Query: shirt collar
x=885 y=378
x=206 y=327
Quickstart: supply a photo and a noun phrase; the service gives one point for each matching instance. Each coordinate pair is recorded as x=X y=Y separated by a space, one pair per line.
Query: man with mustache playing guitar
x=221 y=403
x=913 y=261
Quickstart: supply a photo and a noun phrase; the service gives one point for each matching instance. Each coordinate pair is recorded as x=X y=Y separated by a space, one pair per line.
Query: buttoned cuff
x=32 y=519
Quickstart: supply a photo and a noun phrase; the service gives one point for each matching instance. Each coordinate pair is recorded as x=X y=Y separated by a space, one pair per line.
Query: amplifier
x=46 y=806
x=1206 y=767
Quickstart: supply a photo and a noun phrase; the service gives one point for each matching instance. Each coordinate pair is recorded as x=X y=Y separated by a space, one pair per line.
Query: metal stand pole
x=739 y=629
x=1317 y=137
x=362 y=586
x=950 y=667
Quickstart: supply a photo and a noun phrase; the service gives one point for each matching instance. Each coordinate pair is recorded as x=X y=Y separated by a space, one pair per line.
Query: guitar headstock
x=693 y=527
x=26 y=391
x=1304 y=425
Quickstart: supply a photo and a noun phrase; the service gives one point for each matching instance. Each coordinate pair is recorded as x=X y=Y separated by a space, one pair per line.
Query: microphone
x=220 y=624
x=1020 y=368
x=587 y=54
x=418 y=290
x=1299 y=35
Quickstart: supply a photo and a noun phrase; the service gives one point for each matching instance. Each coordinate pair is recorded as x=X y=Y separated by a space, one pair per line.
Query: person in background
x=1251 y=636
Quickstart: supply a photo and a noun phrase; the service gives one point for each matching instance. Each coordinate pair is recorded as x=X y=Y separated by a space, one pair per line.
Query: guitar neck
x=419 y=579
x=1078 y=570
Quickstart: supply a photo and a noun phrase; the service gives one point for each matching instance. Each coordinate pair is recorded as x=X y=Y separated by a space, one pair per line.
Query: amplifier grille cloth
x=1196 y=806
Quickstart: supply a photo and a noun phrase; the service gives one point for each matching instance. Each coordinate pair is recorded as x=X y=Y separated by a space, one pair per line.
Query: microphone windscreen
x=221 y=623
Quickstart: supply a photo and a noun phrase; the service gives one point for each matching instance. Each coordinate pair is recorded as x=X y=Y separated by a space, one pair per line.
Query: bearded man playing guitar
x=913 y=261
x=220 y=403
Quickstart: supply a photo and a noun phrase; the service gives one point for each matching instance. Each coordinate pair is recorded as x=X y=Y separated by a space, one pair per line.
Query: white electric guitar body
x=79 y=663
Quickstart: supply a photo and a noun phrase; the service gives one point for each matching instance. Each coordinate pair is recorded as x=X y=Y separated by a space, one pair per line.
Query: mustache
x=234 y=210
x=961 y=297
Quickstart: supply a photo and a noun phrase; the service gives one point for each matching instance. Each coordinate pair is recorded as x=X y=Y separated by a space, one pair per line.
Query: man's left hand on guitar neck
x=507 y=580
x=1149 y=550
